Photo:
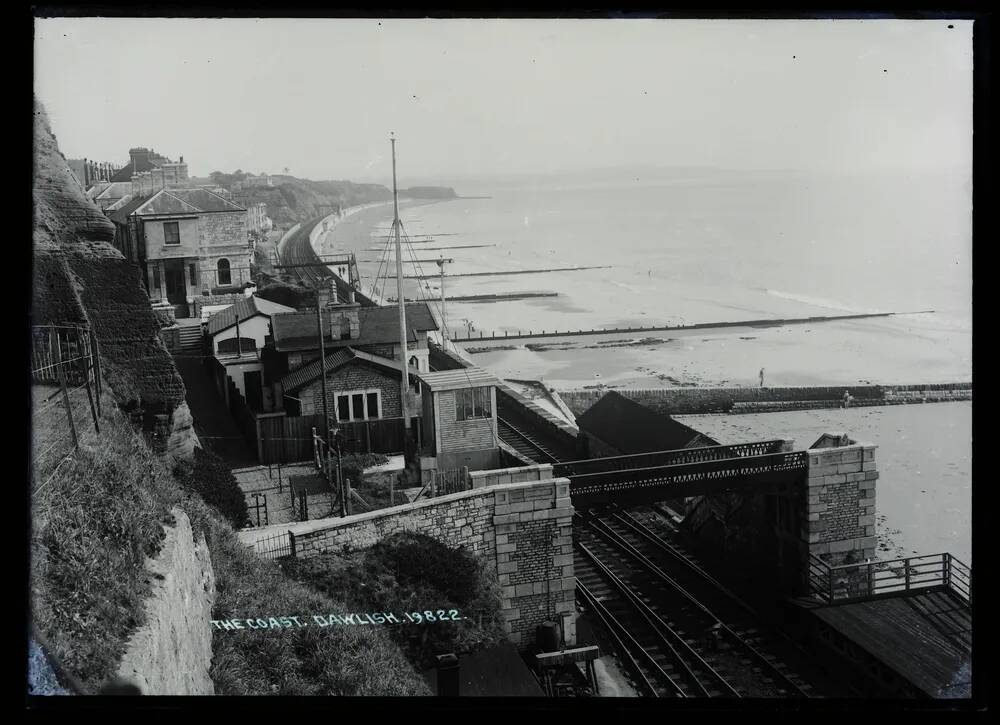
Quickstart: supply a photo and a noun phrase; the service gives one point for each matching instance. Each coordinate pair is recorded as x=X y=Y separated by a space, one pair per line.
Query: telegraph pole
x=322 y=367
x=444 y=322
x=399 y=294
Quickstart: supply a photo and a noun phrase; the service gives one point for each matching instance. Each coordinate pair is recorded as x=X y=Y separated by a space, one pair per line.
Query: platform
x=925 y=637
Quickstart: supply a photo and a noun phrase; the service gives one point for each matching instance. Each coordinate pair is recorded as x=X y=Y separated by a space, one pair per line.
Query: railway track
x=524 y=443
x=298 y=251
x=662 y=607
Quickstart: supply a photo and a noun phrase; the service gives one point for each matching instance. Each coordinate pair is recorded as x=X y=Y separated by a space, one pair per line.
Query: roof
x=631 y=427
x=345 y=355
x=114 y=190
x=458 y=379
x=378 y=326
x=125 y=172
x=122 y=213
x=175 y=201
x=244 y=309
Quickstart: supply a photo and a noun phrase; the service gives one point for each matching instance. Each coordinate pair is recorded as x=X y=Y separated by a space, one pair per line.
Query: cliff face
x=292 y=200
x=80 y=278
x=172 y=653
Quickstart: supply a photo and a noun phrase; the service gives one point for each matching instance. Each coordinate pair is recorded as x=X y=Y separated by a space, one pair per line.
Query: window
x=224 y=276
x=234 y=344
x=171 y=233
x=359 y=405
x=473 y=403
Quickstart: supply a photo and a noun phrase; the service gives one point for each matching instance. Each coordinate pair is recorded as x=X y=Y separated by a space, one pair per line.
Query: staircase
x=190 y=338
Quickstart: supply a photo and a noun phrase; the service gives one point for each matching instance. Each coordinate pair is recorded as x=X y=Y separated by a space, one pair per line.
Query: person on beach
x=847 y=399
x=762 y=377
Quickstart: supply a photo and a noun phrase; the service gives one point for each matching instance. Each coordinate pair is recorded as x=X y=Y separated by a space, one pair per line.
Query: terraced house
x=189 y=243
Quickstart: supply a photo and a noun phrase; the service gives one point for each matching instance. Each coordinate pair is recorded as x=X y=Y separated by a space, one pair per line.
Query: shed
x=616 y=425
x=460 y=414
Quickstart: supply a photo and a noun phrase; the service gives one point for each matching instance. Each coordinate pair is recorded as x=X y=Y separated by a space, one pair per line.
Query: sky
x=494 y=97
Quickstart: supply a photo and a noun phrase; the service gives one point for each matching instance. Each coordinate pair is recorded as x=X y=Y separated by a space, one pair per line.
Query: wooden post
x=946 y=569
x=830 y=584
x=392 y=491
x=906 y=571
x=465 y=478
x=69 y=408
x=368 y=437
x=347 y=494
x=90 y=398
x=871 y=579
x=291 y=543
x=94 y=349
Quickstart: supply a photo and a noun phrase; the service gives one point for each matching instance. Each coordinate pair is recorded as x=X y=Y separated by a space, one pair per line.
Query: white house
x=237 y=334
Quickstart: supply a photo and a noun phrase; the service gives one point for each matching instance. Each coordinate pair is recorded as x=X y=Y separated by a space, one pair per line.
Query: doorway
x=254 y=391
x=173 y=277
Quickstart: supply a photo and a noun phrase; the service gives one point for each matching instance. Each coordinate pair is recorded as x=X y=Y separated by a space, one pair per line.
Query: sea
x=683 y=247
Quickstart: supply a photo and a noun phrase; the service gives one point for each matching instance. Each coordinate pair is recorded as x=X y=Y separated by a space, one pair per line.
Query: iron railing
x=688 y=479
x=666 y=458
x=872 y=578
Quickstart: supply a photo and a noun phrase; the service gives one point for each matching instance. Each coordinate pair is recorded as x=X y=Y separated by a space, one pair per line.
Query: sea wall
x=692 y=401
x=172 y=653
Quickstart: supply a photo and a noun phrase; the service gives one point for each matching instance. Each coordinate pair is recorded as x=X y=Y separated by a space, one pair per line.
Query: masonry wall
x=755 y=399
x=523 y=531
x=838 y=523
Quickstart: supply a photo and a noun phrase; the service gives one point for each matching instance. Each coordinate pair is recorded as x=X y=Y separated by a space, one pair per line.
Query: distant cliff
x=291 y=200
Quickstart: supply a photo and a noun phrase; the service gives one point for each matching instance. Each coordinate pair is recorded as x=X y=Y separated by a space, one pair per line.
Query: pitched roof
x=378 y=326
x=125 y=172
x=114 y=190
x=175 y=201
x=458 y=379
x=122 y=213
x=631 y=427
x=204 y=200
x=307 y=373
x=244 y=309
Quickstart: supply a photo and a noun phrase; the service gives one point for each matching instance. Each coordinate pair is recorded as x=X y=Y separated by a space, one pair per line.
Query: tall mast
x=405 y=389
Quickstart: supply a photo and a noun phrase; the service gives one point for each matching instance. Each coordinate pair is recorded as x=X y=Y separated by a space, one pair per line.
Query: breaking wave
x=822 y=302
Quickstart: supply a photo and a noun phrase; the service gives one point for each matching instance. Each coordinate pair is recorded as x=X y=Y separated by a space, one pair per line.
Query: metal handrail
x=894 y=575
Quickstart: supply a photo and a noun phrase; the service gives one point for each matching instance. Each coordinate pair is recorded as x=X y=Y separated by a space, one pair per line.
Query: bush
x=211 y=478
x=410 y=572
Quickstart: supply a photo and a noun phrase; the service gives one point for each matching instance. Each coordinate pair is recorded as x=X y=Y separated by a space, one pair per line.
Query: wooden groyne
x=520 y=334
x=504 y=274
x=490 y=298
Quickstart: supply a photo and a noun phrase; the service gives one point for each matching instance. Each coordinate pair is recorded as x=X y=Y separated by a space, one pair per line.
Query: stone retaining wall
x=523 y=531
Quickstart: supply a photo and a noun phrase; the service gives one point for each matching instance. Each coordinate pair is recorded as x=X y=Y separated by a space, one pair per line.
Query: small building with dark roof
x=359 y=387
x=372 y=329
x=616 y=426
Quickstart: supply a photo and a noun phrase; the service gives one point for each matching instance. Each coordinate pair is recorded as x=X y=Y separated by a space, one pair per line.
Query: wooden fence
x=284 y=439
x=451 y=481
x=66 y=356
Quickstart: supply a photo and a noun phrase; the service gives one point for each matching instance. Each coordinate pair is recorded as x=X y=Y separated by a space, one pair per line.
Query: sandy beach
x=923 y=497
